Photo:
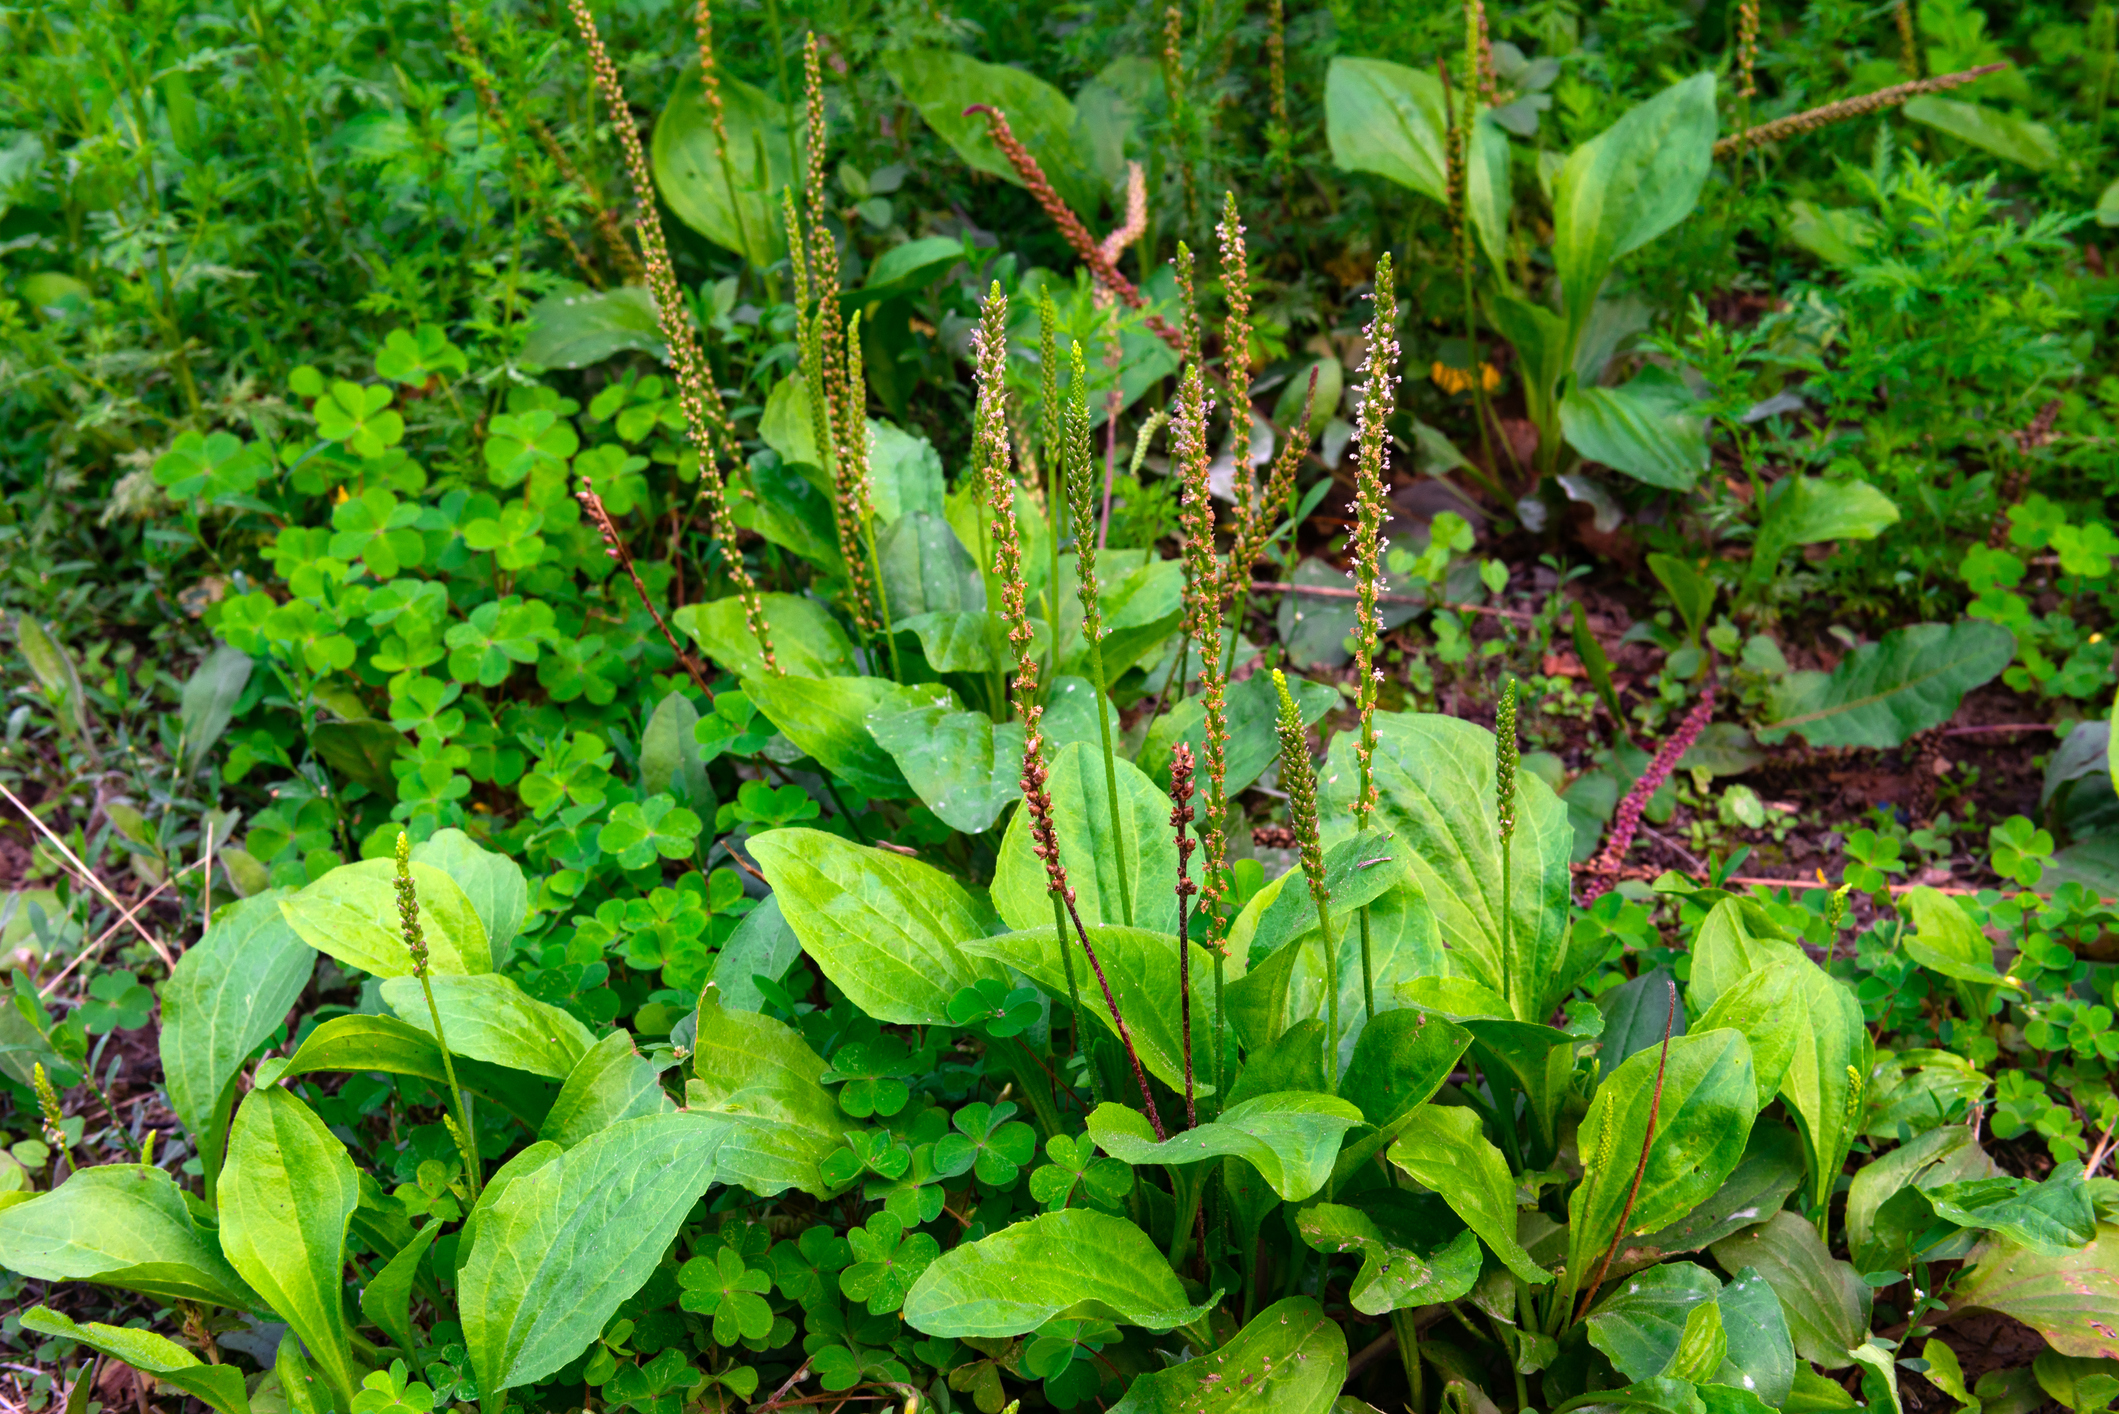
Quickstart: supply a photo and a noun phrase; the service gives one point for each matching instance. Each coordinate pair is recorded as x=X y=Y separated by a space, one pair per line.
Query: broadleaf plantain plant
x=1066 y=1109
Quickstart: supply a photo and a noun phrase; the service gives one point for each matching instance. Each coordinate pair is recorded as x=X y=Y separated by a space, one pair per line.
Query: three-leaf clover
x=874 y=1072
x=574 y=668
x=374 y=527
x=499 y=634
x=846 y=1347
x=733 y=1293
x=387 y=1392
x=117 y=1001
x=1870 y=859
x=2019 y=850
x=757 y=803
x=915 y=1196
x=659 y=1385
x=733 y=727
x=423 y=707
x=1075 y=1167
x=413 y=358
x=362 y=418
x=511 y=538
x=988 y=1142
x=991 y=1008
x=215 y=465
x=875 y=1151
x=524 y=443
x=451 y=1377
x=637 y=832
x=809 y=1266
x=1062 y=1354
x=575 y=769
x=887 y=1261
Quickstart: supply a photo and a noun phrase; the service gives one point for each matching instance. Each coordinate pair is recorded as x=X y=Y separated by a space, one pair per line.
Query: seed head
x=48 y=1107
x=1298 y=777
x=408 y=907
x=1506 y=758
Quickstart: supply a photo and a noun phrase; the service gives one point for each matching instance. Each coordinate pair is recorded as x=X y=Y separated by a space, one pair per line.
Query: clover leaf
x=117 y=1001
x=414 y=358
x=571 y=670
x=2019 y=850
x=874 y=1073
x=499 y=634
x=637 y=832
x=359 y=417
x=887 y=1261
x=990 y=1007
x=913 y=1197
x=511 y=538
x=388 y=1392
x=757 y=803
x=520 y=444
x=733 y=1293
x=808 y=1266
x=1075 y=1168
x=216 y=465
x=988 y=1142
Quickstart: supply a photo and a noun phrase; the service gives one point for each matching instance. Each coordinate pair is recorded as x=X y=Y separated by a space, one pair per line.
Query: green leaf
x=2020 y=140
x=1254 y=737
x=1399 y=1062
x=1708 y=1098
x=1771 y=1169
x=218 y=1387
x=2083 y=1386
x=1658 y=1322
x=1809 y=510
x=387 y=1300
x=1825 y=1301
x=1636 y=1013
x=1435 y=781
x=1628 y=185
x=1081 y=813
x=669 y=755
x=361 y=750
x=121 y=1225
x=229 y=992
x=1639 y=1325
x=1825 y=1077
x=1691 y=591
x=1142 y=969
x=360 y=1042
x=1444 y=1148
x=491 y=1018
x=1290 y=1359
x=351 y=914
x=1540 y=1058
x=612 y=1081
x=575 y=328
x=1411 y=1255
x=1075 y=1262
x=1763 y=1005
x=962 y=641
x=765 y=1080
x=1945 y=940
x=638 y=832
x=494 y=883
x=887 y=930
x=2050 y=1218
x=942 y=83
x=964 y=767
x=286 y=1196
x=828 y=719
x=807 y=640
x=1650 y=428
x=736 y=205
x=61 y=681
x=2072 y=1300
x=1946 y=1154
x=926 y=568
x=208 y=703
x=1291 y=1138
x=1392 y=120
x=1886 y=692
x=567 y=1243
x=1141 y=599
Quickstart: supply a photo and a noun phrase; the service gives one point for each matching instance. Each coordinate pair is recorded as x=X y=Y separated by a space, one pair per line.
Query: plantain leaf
x=218 y=1387
x=762 y=1079
x=2072 y=1299
x=807 y=640
x=494 y=883
x=1081 y=815
x=1411 y=1254
x=1649 y=428
x=1824 y=1301
x=1392 y=120
x=612 y=1081
x=564 y=1245
x=491 y=1018
x=828 y=719
x=888 y=931
x=227 y=994
x=1291 y=1138
x=1142 y=969
x=1076 y=1261
x=736 y=205
x=1290 y=1359
x=351 y=914
x=1886 y=692
x=942 y=83
x=121 y=1225
x=286 y=1196
x=1703 y=1106
x=960 y=763
x=1444 y=1149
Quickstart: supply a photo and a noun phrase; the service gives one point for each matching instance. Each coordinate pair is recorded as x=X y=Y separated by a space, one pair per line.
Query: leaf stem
x=1640 y=1171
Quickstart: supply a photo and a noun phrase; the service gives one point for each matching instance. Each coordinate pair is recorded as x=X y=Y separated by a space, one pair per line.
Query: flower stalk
x=459 y=1118
x=1378 y=397
x=706 y=418
x=990 y=450
x=1298 y=777
x=1506 y=761
x=1081 y=503
x=1603 y=871
x=1180 y=817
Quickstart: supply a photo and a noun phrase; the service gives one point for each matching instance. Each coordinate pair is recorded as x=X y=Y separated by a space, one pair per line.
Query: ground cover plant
x=1134 y=707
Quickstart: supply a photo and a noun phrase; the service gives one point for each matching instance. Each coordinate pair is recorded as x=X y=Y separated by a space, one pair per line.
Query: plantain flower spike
x=408 y=907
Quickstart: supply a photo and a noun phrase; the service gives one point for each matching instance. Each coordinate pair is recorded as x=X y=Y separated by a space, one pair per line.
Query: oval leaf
x=1075 y=1261
x=351 y=914
x=1290 y=1137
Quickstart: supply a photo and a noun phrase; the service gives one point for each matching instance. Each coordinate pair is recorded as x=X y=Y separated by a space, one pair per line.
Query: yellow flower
x=1458 y=380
